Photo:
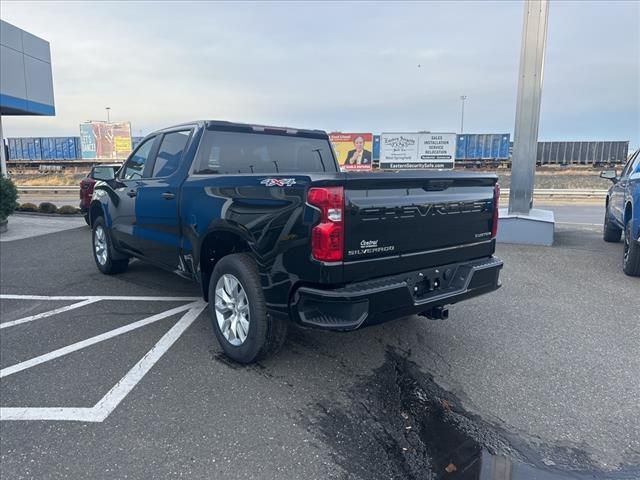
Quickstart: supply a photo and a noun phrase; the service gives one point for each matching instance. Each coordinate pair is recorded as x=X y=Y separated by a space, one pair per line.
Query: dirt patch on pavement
x=400 y=424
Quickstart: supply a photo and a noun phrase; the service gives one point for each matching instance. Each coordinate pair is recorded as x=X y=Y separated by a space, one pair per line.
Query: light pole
x=525 y=135
x=462 y=98
x=108 y=110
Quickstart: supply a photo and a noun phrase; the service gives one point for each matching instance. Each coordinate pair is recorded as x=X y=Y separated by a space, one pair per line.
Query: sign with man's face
x=353 y=150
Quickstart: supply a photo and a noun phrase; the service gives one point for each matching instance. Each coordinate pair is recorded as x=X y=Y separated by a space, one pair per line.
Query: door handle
x=168 y=195
x=132 y=193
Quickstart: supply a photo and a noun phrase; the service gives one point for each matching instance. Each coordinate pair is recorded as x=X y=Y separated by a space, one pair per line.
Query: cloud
x=334 y=66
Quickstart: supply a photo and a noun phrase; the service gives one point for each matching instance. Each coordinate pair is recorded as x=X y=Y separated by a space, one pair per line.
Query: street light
x=463 y=98
x=108 y=118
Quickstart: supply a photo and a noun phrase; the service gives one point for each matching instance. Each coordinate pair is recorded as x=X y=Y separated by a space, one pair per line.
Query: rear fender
x=241 y=237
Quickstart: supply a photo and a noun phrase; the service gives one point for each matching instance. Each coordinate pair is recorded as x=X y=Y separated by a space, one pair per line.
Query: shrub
x=27 y=207
x=47 y=207
x=68 y=210
x=8 y=197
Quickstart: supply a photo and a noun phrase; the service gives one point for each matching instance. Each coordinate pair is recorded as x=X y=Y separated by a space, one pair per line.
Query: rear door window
x=245 y=153
x=170 y=153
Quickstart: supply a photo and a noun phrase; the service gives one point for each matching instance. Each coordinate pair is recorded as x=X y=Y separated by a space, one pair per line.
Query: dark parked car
x=623 y=212
x=265 y=221
x=87 y=184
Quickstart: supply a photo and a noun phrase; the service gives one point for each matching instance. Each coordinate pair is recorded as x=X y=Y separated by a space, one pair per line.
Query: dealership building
x=26 y=81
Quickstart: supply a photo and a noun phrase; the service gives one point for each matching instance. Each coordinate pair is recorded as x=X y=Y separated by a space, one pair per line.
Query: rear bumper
x=382 y=299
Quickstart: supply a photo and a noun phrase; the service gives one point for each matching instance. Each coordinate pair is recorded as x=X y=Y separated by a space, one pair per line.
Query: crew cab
x=264 y=220
x=622 y=212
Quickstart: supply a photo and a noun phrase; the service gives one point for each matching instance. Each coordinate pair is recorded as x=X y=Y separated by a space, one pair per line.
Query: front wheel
x=610 y=231
x=103 y=252
x=631 y=261
x=244 y=329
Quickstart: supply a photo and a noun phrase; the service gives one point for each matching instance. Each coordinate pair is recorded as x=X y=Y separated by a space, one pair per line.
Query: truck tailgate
x=396 y=222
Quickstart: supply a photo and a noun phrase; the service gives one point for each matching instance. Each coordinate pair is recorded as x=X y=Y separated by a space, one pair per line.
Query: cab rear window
x=246 y=153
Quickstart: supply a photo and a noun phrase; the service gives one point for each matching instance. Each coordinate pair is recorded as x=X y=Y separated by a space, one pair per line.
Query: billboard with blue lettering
x=87 y=141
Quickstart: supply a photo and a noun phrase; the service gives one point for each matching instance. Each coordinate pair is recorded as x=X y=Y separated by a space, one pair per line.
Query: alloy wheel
x=232 y=309
x=100 y=245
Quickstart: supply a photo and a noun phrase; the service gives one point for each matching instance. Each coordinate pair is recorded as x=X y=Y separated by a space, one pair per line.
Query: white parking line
x=18 y=367
x=112 y=399
x=48 y=314
x=578 y=223
x=7 y=296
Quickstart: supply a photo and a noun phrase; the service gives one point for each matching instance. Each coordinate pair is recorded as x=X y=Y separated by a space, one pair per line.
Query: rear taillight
x=327 y=238
x=496 y=202
x=86 y=187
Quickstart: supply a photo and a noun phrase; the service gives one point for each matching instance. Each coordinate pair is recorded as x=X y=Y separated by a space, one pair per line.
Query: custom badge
x=278 y=182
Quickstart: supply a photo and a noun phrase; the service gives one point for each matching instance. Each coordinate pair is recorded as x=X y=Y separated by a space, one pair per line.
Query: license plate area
x=436 y=281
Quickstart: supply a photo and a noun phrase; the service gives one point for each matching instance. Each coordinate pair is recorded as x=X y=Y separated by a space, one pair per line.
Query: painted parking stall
x=120 y=377
x=189 y=312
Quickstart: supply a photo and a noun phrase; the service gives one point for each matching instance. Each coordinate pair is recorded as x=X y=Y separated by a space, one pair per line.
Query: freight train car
x=44 y=148
x=582 y=153
x=480 y=149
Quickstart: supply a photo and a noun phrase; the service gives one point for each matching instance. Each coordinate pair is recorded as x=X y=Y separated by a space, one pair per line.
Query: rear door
x=157 y=224
x=397 y=222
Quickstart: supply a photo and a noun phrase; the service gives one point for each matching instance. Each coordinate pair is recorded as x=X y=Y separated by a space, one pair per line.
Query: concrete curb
x=56 y=215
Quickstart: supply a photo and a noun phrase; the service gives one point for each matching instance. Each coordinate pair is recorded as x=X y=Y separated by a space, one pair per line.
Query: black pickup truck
x=271 y=229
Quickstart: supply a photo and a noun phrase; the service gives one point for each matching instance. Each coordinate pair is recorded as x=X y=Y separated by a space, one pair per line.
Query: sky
x=337 y=66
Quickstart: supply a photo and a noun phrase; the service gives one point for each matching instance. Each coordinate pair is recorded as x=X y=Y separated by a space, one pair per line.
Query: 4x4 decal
x=278 y=182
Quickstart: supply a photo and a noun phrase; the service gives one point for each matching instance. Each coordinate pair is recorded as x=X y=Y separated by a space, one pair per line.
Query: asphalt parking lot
x=125 y=380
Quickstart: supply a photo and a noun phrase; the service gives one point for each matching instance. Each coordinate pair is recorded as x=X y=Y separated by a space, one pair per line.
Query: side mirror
x=104 y=174
x=610 y=175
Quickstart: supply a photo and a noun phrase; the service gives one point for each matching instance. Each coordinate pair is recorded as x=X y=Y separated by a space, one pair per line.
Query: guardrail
x=562 y=193
x=538 y=193
x=47 y=189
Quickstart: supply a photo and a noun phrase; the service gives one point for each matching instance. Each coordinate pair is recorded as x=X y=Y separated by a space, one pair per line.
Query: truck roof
x=250 y=128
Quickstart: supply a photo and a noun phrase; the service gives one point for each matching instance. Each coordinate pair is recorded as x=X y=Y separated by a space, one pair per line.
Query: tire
x=610 y=232
x=87 y=219
x=265 y=334
x=631 y=259
x=107 y=259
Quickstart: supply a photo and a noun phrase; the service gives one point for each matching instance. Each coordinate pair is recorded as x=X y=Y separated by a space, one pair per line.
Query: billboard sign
x=105 y=141
x=353 y=150
x=376 y=148
x=121 y=134
x=417 y=150
x=87 y=141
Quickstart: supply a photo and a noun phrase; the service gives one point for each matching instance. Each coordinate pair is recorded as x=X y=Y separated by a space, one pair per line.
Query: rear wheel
x=631 y=261
x=610 y=232
x=107 y=259
x=244 y=329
